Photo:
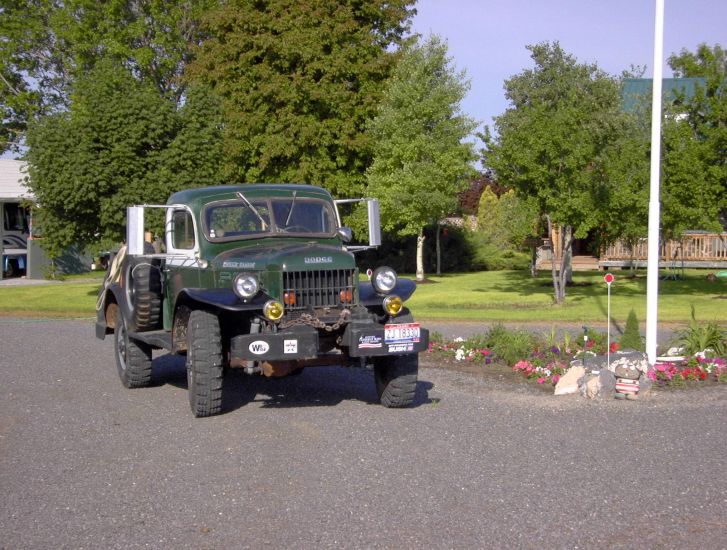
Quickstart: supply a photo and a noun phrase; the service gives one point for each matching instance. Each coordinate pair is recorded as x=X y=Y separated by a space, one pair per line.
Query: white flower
x=459 y=339
x=459 y=356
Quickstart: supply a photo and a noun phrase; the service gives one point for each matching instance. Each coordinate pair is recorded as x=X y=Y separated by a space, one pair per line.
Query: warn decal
x=259 y=347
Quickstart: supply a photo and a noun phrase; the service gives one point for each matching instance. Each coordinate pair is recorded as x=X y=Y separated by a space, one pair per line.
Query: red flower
x=614 y=347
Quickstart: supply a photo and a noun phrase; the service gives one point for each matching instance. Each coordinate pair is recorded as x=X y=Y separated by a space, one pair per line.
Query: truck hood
x=285 y=257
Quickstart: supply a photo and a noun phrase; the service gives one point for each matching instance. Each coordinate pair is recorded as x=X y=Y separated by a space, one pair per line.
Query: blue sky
x=487 y=38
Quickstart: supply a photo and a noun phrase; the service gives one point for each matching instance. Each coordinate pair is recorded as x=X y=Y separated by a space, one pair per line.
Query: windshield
x=233 y=220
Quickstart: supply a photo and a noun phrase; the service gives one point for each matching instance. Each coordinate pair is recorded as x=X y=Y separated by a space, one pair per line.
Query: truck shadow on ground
x=313 y=387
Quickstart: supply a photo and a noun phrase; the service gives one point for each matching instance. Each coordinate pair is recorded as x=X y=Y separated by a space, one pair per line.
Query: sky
x=487 y=38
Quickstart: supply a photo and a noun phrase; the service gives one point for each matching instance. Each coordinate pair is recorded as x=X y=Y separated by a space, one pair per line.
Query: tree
x=119 y=143
x=88 y=164
x=705 y=134
x=47 y=44
x=551 y=143
x=421 y=160
x=298 y=81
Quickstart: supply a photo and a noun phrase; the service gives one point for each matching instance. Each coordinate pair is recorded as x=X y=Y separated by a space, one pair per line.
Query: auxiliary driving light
x=273 y=310
x=393 y=305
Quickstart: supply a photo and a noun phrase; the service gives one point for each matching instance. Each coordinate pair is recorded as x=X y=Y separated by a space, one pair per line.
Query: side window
x=182 y=230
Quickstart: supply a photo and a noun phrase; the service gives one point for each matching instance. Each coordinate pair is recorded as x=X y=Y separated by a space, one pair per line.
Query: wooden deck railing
x=710 y=247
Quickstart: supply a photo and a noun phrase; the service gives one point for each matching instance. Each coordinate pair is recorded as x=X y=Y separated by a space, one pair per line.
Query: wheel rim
x=121 y=345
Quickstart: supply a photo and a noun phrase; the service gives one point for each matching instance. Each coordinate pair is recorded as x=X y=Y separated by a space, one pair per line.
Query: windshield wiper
x=254 y=210
x=290 y=212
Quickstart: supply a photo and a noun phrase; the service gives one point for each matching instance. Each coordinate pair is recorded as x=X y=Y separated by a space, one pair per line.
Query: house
x=15 y=228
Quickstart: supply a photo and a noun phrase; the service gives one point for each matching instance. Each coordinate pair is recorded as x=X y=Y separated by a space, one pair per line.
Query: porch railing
x=711 y=247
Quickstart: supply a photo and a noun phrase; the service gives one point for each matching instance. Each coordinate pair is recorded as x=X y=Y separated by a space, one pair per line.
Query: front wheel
x=204 y=363
x=133 y=358
x=396 y=379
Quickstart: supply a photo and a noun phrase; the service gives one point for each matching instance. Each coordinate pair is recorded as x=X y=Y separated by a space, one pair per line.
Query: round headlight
x=246 y=285
x=384 y=280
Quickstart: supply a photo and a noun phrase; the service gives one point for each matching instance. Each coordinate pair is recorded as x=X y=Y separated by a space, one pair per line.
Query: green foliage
x=47 y=45
x=699 y=337
x=509 y=345
x=462 y=250
x=298 y=81
x=120 y=143
x=420 y=158
x=508 y=220
x=552 y=141
x=631 y=337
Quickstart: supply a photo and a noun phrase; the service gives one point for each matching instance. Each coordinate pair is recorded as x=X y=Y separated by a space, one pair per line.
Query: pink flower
x=651 y=374
x=556 y=378
x=541 y=380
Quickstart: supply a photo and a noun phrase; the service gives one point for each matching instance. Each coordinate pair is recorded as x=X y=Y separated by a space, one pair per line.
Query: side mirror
x=372 y=211
x=372 y=206
x=135 y=230
x=346 y=234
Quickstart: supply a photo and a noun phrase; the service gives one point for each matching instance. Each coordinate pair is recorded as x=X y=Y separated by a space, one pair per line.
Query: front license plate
x=402 y=334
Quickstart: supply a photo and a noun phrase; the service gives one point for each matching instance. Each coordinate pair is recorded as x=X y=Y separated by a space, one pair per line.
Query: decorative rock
x=591 y=386
x=634 y=361
x=608 y=383
x=568 y=383
x=630 y=372
x=599 y=385
x=627 y=387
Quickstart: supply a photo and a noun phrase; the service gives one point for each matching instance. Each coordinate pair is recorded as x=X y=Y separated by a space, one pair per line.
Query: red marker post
x=608 y=278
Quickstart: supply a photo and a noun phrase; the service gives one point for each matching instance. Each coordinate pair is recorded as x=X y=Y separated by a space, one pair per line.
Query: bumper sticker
x=369 y=342
x=290 y=346
x=259 y=347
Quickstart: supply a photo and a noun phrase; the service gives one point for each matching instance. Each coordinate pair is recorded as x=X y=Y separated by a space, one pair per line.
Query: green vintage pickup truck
x=261 y=278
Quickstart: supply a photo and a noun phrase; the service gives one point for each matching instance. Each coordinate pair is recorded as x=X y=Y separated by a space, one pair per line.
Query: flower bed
x=545 y=359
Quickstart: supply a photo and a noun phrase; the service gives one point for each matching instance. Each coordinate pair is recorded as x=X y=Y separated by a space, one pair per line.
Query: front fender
x=370 y=298
x=222 y=298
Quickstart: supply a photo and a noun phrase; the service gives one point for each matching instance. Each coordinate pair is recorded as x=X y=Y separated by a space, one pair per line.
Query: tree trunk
x=559 y=271
x=533 y=261
x=568 y=255
x=439 y=250
x=420 y=255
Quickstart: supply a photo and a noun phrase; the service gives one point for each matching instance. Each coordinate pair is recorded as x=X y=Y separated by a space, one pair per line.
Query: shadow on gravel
x=313 y=387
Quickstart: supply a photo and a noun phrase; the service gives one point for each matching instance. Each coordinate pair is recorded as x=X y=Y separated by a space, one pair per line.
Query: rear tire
x=205 y=366
x=133 y=358
x=396 y=379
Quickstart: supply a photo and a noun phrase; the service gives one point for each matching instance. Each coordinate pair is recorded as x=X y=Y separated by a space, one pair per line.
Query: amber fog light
x=393 y=305
x=273 y=310
x=346 y=296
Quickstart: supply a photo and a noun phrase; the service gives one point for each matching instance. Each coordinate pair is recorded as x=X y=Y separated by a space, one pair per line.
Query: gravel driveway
x=312 y=462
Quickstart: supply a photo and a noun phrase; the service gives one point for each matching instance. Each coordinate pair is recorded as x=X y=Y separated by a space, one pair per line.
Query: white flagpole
x=652 y=275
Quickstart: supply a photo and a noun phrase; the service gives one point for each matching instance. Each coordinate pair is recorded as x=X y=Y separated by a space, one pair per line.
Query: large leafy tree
x=119 y=143
x=552 y=142
x=298 y=81
x=47 y=44
x=421 y=156
x=699 y=143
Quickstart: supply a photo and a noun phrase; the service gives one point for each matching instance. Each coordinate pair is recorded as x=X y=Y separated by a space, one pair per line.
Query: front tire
x=133 y=358
x=205 y=366
x=396 y=379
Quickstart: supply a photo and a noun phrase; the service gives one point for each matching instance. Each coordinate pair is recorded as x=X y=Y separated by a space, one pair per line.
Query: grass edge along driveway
x=488 y=296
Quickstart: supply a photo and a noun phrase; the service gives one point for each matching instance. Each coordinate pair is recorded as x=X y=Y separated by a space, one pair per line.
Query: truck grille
x=320 y=288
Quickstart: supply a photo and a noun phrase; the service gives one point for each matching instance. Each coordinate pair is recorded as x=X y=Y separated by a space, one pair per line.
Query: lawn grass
x=500 y=296
x=513 y=296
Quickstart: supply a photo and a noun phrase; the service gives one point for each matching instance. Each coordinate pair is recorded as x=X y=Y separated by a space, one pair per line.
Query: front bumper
x=301 y=343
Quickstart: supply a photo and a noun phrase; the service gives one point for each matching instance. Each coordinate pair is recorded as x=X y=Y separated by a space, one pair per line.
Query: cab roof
x=203 y=195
